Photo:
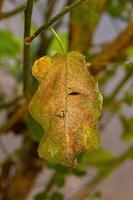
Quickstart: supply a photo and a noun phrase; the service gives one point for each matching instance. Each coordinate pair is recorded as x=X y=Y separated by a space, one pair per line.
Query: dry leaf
x=67 y=104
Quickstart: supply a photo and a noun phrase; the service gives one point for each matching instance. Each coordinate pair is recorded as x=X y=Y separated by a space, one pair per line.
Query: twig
x=3 y=148
x=20 y=113
x=5 y=15
x=10 y=103
x=1 y=4
x=26 y=58
x=49 y=8
x=113 y=50
x=102 y=174
x=53 y=20
x=119 y=86
x=12 y=12
x=43 y=36
x=50 y=184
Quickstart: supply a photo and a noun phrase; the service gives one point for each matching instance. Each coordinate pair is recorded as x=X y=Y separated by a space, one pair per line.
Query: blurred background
x=103 y=32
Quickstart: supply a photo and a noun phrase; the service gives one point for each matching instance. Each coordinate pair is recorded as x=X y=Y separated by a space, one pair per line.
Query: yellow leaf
x=67 y=104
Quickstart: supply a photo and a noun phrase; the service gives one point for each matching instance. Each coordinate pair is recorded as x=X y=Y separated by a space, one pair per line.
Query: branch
x=26 y=58
x=28 y=40
x=113 y=50
x=102 y=174
x=10 y=103
x=119 y=86
x=26 y=167
x=1 y=4
x=12 y=12
x=82 y=28
x=20 y=113
x=43 y=36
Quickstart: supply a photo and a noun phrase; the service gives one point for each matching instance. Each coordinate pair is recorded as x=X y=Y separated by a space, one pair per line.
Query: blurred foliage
x=9 y=44
x=96 y=196
x=117 y=7
x=40 y=196
x=127 y=134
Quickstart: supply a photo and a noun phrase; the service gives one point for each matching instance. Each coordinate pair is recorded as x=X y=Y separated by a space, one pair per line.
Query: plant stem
x=57 y=38
x=53 y=20
x=118 y=88
x=50 y=184
x=5 y=15
x=19 y=114
x=26 y=58
x=10 y=103
x=12 y=12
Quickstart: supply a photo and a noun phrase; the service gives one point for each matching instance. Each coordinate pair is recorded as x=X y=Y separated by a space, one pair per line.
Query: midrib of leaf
x=66 y=105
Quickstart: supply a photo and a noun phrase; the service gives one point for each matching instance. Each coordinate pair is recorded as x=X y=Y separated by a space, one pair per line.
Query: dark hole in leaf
x=62 y=115
x=74 y=93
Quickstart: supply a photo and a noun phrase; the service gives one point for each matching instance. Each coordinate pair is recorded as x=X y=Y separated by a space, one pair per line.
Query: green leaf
x=116 y=7
x=35 y=129
x=59 y=179
x=56 y=196
x=79 y=171
x=9 y=45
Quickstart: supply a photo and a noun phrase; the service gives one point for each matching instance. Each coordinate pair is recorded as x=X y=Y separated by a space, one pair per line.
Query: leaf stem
x=57 y=38
x=53 y=20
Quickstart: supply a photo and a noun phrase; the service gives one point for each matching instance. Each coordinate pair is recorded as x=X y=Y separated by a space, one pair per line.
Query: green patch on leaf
x=35 y=129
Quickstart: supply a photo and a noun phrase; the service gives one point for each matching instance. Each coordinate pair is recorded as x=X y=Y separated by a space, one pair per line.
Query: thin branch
x=26 y=58
x=119 y=87
x=5 y=15
x=50 y=184
x=19 y=114
x=113 y=50
x=12 y=12
x=102 y=174
x=28 y=40
x=43 y=36
x=10 y=103
x=1 y=4
x=49 y=8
